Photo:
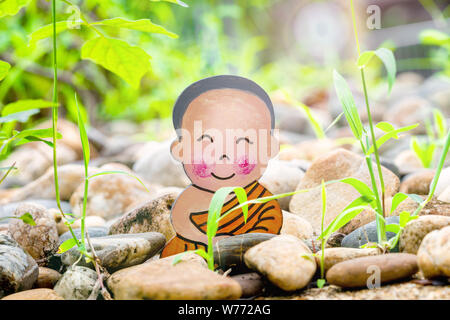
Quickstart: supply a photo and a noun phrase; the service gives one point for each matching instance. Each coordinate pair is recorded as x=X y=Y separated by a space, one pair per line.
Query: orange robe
x=262 y=218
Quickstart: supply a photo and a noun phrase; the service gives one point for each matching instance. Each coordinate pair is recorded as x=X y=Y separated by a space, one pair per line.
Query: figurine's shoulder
x=191 y=195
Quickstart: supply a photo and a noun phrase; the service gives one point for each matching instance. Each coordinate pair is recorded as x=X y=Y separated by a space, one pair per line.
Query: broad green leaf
x=360 y=186
x=83 y=137
x=28 y=219
x=179 y=2
x=348 y=104
x=33 y=138
x=22 y=116
x=12 y=7
x=397 y=199
x=4 y=69
x=391 y=135
x=434 y=37
x=67 y=245
x=320 y=283
x=440 y=123
x=144 y=25
x=364 y=58
x=386 y=127
x=388 y=59
x=27 y=104
x=395 y=228
x=404 y=218
x=119 y=172
x=47 y=31
x=128 y=62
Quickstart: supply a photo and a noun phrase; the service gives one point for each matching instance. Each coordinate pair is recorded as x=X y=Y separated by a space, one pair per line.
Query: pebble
x=161 y=280
x=281 y=177
x=364 y=271
x=76 y=283
x=251 y=284
x=18 y=270
x=285 y=260
x=296 y=226
x=434 y=254
x=119 y=251
x=360 y=236
x=34 y=294
x=110 y=195
x=418 y=182
x=334 y=256
x=47 y=278
x=153 y=215
x=335 y=165
x=417 y=229
x=41 y=240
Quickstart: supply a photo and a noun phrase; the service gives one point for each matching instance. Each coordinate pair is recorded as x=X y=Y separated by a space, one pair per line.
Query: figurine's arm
x=181 y=223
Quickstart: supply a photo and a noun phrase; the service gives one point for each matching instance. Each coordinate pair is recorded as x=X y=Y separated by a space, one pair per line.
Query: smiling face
x=226 y=139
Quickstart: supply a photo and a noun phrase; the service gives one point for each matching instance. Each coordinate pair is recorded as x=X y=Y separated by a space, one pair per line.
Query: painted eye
x=205 y=136
x=244 y=139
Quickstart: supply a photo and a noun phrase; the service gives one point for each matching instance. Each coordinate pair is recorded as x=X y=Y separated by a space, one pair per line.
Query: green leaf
x=39 y=133
x=439 y=167
x=202 y=253
x=388 y=59
x=11 y=7
x=320 y=283
x=67 y=245
x=4 y=69
x=343 y=218
x=24 y=105
x=424 y=151
x=386 y=127
x=33 y=138
x=179 y=2
x=334 y=122
x=404 y=218
x=434 y=37
x=360 y=186
x=348 y=104
x=364 y=58
x=7 y=172
x=47 y=30
x=395 y=228
x=128 y=62
x=28 y=219
x=397 y=199
x=22 y=116
x=391 y=135
x=144 y=25
x=83 y=137
x=440 y=123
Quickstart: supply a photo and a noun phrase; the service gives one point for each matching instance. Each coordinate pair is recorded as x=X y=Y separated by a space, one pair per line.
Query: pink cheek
x=202 y=170
x=243 y=166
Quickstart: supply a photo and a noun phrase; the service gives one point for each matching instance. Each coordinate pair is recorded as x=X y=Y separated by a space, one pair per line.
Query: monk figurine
x=225 y=138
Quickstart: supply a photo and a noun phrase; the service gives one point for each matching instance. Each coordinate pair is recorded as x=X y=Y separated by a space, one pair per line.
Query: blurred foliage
x=186 y=40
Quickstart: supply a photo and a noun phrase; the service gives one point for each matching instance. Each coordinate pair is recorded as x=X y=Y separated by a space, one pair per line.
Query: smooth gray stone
x=120 y=250
x=94 y=232
x=357 y=238
x=8 y=209
x=76 y=283
x=18 y=270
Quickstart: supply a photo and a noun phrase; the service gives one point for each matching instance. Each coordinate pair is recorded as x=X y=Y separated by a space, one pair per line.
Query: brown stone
x=418 y=182
x=47 y=278
x=336 y=165
x=251 y=284
x=34 y=294
x=154 y=215
x=161 y=280
x=334 y=256
x=361 y=271
x=434 y=254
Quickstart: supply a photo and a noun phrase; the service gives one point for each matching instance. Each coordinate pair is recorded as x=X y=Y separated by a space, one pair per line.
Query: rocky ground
x=128 y=225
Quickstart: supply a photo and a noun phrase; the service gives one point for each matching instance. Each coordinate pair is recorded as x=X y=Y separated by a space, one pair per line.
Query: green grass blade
x=119 y=172
x=388 y=59
x=391 y=135
x=83 y=136
x=348 y=104
x=7 y=172
x=397 y=199
x=360 y=186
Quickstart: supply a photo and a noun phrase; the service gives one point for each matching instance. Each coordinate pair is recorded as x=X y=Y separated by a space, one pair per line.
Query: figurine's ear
x=274 y=147
x=176 y=149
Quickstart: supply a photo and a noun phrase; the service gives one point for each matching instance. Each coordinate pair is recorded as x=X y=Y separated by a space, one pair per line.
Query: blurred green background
x=281 y=44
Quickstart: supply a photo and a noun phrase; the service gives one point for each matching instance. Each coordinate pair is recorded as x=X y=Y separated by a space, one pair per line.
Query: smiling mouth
x=222 y=178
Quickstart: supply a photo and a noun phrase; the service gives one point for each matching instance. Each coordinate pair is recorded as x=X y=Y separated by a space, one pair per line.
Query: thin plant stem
x=55 y=118
x=380 y=204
